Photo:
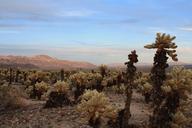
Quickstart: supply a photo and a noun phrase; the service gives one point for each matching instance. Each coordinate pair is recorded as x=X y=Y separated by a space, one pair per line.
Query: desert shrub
x=58 y=95
x=11 y=97
x=95 y=106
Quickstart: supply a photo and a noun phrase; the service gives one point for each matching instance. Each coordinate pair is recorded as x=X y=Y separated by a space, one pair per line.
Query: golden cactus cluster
x=42 y=87
x=61 y=87
x=39 y=75
x=94 y=108
x=179 y=120
x=103 y=67
x=164 y=42
x=180 y=80
x=78 y=78
x=85 y=79
x=143 y=84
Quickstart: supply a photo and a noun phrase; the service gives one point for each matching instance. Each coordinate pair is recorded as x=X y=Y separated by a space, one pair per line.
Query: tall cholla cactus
x=103 y=70
x=96 y=106
x=10 y=76
x=17 y=75
x=129 y=80
x=164 y=46
x=62 y=74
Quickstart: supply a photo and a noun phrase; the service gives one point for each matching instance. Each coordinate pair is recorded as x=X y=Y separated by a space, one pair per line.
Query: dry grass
x=11 y=97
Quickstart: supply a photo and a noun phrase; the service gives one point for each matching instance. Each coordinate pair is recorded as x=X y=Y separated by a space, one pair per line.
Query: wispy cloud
x=12 y=26
x=93 y=54
x=123 y=21
x=38 y=10
x=189 y=29
x=77 y=13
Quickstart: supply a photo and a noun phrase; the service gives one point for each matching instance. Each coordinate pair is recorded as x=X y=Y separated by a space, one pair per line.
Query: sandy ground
x=34 y=116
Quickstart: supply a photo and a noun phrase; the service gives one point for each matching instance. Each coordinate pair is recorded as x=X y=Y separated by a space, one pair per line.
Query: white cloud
x=189 y=29
x=77 y=13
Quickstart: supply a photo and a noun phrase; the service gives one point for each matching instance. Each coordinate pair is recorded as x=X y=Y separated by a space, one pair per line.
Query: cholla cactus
x=164 y=46
x=58 y=95
x=79 y=81
x=62 y=74
x=94 y=81
x=177 y=89
x=37 y=90
x=41 y=88
x=10 y=75
x=103 y=70
x=179 y=120
x=96 y=106
x=180 y=80
x=61 y=87
x=2 y=77
x=38 y=77
x=129 y=82
x=119 y=79
x=164 y=42
x=17 y=75
x=113 y=79
x=78 y=78
x=144 y=86
x=83 y=81
x=147 y=87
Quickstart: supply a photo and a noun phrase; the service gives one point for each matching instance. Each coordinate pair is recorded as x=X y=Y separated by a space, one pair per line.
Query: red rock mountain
x=42 y=62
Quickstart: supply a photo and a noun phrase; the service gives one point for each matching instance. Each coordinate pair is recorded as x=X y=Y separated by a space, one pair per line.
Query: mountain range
x=42 y=62
x=46 y=62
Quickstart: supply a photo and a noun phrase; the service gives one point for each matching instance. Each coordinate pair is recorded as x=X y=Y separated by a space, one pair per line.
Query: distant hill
x=42 y=62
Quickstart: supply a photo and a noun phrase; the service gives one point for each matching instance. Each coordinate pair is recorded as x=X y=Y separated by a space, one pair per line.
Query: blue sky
x=98 y=31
